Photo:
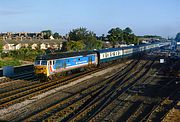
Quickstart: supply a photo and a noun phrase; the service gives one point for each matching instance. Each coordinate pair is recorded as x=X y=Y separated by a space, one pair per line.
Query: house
x=48 y=45
x=8 y=47
x=18 y=46
x=43 y=46
x=21 y=36
x=25 y=45
x=55 y=46
x=51 y=37
x=34 y=46
x=33 y=43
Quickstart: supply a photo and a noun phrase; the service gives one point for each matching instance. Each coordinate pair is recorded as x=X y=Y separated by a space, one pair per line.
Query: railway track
x=154 y=108
x=10 y=117
x=4 y=80
x=111 y=111
x=145 y=109
x=157 y=107
x=18 y=81
x=67 y=108
x=31 y=89
x=135 y=93
x=162 y=108
x=73 y=102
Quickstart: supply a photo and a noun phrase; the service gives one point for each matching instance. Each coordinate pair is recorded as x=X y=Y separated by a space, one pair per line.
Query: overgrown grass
x=9 y=62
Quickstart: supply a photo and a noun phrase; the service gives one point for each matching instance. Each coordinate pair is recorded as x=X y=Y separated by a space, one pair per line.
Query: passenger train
x=49 y=65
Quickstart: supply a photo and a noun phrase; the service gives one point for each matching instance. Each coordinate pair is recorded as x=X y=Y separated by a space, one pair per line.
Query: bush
x=9 y=62
x=25 y=54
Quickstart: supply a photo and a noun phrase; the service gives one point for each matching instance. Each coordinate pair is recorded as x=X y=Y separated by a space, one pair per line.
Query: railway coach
x=107 y=55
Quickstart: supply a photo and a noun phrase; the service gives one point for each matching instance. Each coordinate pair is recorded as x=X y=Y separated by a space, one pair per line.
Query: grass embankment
x=9 y=62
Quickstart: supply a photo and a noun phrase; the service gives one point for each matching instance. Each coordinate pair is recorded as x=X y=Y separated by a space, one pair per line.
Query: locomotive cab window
x=43 y=62
x=37 y=62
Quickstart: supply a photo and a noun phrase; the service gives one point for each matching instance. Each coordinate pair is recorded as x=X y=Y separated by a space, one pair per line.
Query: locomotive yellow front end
x=40 y=69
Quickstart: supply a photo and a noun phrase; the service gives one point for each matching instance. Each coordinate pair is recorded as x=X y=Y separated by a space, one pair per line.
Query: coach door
x=51 y=63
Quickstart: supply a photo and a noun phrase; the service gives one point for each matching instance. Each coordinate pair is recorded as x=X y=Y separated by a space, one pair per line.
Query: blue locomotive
x=51 y=64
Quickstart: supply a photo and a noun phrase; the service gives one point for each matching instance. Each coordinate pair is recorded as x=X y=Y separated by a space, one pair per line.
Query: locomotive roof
x=63 y=55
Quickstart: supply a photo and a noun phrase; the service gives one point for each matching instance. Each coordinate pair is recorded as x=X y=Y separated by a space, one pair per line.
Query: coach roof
x=108 y=50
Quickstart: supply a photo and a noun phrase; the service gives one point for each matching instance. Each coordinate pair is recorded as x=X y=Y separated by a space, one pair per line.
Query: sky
x=155 y=17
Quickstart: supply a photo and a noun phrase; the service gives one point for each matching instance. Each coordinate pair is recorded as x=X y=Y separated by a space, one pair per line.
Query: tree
x=177 y=37
x=24 y=53
x=64 y=47
x=127 y=30
x=78 y=34
x=152 y=36
x=92 y=43
x=56 y=35
x=115 y=35
x=87 y=37
x=1 y=48
x=46 y=34
x=75 y=46
x=102 y=37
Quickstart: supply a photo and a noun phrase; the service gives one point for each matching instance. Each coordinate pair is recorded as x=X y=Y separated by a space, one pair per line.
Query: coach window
x=103 y=55
x=113 y=53
x=119 y=52
x=53 y=62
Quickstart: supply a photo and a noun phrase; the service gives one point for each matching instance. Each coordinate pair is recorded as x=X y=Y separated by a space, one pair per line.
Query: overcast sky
x=160 y=17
